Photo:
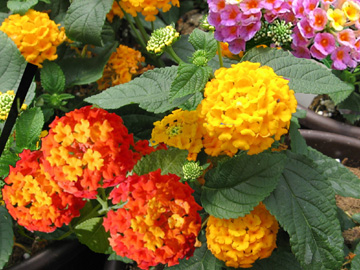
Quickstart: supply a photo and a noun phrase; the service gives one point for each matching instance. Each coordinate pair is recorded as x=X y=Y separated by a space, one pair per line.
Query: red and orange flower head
x=34 y=199
x=86 y=149
x=159 y=223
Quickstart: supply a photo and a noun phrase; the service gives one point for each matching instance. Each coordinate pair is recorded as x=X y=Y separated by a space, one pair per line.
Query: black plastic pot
x=318 y=122
x=64 y=255
x=332 y=144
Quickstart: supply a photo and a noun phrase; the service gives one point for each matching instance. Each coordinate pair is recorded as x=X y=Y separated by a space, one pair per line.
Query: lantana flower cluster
x=159 y=223
x=319 y=28
x=35 y=199
x=243 y=240
x=148 y=8
x=35 y=35
x=122 y=66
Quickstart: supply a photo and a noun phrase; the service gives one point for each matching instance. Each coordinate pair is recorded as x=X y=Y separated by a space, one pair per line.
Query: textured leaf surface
x=85 y=19
x=204 y=41
x=304 y=205
x=12 y=64
x=235 y=187
x=279 y=260
x=6 y=236
x=7 y=158
x=92 y=233
x=350 y=107
x=304 y=75
x=169 y=161
x=52 y=78
x=190 y=80
x=355 y=263
x=343 y=181
x=21 y=6
x=28 y=128
x=150 y=91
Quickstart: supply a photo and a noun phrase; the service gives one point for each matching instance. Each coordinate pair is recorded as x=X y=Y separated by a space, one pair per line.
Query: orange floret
x=88 y=148
x=35 y=35
x=241 y=241
x=34 y=199
x=159 y=223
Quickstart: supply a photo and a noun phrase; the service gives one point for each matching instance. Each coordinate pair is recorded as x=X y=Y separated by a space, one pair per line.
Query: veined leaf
x=279 y=260
x=304 y=75
x=204 y=41
x=304 y=205
x=85 y=19
x=21 y=6
x=12 y=64
x=236 y=186
x=6 y=236
x=355 y=263
x=52 y=78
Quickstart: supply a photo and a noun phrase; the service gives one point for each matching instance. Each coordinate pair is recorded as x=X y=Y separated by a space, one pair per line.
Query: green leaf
x=21 y=6
x=150 y=91
x=52 y=78
x=190 y=79
x=304 y=75
x=6 y=236
x=297 y=142
x=304 y=205
x=7 y=158
x=92 y=233
x=183 y=48
x=192 y=103
x=350 y=107
x=204 y=41
x=202 y=259
x=79 y=71
x=345 y=221
x=169 y=161
x=355 y=263
x=115 y=257
x=3 y=7
x=342 y=180
x=356 y=217
x=85 y=19
x=279 y=260
x=236 y=186
x=3 y=16
x=12 y=64
x=28 y=128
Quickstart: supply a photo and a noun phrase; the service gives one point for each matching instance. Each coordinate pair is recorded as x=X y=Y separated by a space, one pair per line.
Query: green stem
x=141 y=28
x=68 y=233
x=127 y=17
x=219 y=53
x=173 y=54
x=103 y=201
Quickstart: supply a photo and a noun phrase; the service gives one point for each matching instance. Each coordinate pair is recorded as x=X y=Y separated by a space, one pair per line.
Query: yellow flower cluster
x=6 y=100
x=241 y=241
x=180 y=129
x=35 y=35
x=148 y=8
x=246 y=107
x=123 y=64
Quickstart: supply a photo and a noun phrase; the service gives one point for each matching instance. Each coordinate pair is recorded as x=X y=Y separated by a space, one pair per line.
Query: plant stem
x=141 y=28
x=173 y=54
x=22 y=247
x=142 y=42
x=219 y=53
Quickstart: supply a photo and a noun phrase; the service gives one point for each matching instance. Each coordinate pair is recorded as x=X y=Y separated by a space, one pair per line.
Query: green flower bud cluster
x=192 y=170
x=280 y=32
x=6 y=100
x=161 y=38
x=200 y=58
x=262 y=33
x=205 y=24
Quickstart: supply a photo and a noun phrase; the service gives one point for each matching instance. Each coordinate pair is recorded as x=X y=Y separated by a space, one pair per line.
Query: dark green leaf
x=85 y=19
x=304 y=75
x=227 y=62
x=355 y=263
x=345 y=221
x=21 y=6
x=7 y=158
x=6 y=236
x=183 y=48
x=92 y=233
x=204 y=41
x=3 y=7
x=190 y=79
x=28 y=128
x=236 y=186
x=12 y=64
x=279 y=260
x=350 y=107
x=150 y=91
x=52 y=78
x=192 y=103
x=304 y=205
x=356 y=217
x=169 y=161
x=297 y=143
x=343 y=181
x=80 y=71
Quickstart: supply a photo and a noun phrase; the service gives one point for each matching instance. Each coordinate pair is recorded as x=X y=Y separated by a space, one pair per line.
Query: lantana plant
x=171 y=150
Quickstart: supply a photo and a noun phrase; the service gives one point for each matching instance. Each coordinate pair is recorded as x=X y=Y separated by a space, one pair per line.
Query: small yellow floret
x=337 y=18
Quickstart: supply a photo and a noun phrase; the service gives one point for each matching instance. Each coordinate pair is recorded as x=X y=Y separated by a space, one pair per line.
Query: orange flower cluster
x=86 y=149
x=35 y=35
x=34 y=199
x=148 y=8
x=241 y=241
x=122 y=66
x=143 y=147
x=158 y=224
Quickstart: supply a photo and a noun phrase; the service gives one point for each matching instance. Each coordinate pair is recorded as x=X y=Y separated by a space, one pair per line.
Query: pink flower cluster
x=237 y=21
x=322 y=28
